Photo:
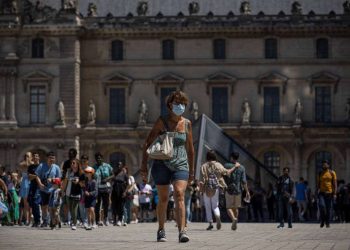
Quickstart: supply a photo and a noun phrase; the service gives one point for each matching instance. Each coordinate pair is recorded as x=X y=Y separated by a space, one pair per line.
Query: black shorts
x=45 y=197
x=90 y=202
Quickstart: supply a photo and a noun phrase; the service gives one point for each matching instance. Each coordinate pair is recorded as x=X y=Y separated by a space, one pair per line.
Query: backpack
x=212 y=183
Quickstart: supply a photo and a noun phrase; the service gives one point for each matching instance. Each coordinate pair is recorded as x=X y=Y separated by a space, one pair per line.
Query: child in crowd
x=90 y=194
x=55 y=203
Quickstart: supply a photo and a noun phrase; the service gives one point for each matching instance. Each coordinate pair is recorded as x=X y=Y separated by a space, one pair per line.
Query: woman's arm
x=3 y=186
x=157 y=128
x=190 y=151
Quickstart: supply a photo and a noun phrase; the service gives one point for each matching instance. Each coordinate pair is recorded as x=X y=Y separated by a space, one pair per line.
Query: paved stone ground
x=142 y=236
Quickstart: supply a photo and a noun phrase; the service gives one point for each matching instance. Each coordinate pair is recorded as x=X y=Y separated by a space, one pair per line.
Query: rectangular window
x=117 y=106
x=323 y=104
x=38 y=48
x=164 y=92
x=117 y=50
x=220 y=104
x=37 y=104
x=322 y=48
x=271 y=48
x=168 y=49
x=219 y=49
x=271 y=104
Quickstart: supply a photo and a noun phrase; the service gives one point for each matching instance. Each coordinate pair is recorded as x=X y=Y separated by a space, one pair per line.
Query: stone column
x=12 y=108
x=2 y=98
x=297 y=161
x=347 y=164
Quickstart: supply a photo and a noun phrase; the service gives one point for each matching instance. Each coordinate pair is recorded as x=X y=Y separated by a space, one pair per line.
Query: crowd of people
x=91 y=194
x=80 y=194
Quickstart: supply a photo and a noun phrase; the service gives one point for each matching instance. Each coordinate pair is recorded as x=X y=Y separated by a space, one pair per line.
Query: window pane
x=321 y=156
x=164 y=92
x=322 y=48
x=271 y=105
x=38 y=48
x=115 y=158
x=117 y=106
x=168 y=50
x=219 y=49
x=117 y=50
x=33 y=114
x=323 y=112
x=220 y=104
x=271 y=48
x=272 y=161
x=37 y=104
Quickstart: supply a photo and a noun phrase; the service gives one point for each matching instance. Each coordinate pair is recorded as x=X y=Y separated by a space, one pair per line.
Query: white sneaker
x=119 y=223
x=94 y=226
x=74 y=227
x=125 y=224
x=106 y=223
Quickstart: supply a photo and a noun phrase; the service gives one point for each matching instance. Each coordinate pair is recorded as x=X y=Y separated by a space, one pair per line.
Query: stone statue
x=142 y=8
x=92 y=113
x=347 y=110
x=193 y=8
x=296 y=8
x=297 y=111
x=9 y=7
x=92 y=10
x=246 y=112
x=69 y=4
x=194 y=111
x=245 y=8
x=60 y=113
x=346 y=7
x=143 y=113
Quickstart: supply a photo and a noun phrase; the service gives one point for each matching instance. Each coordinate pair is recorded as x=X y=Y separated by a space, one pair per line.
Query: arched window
x=115 y=158
x=38 y=48
x=271 y=48
x=117 y=50
x=321 y=156
x=168 y=49
x=219 y=47
x=272 y=161
x=322 y=48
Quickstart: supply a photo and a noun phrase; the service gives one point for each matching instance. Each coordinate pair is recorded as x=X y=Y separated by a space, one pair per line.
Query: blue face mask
x=178 y=109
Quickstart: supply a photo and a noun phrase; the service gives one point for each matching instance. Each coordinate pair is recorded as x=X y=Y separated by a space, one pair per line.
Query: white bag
x=163 y=147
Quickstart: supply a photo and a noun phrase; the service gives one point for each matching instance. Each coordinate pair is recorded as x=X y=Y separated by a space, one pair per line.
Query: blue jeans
x=284 y=205
x=325 y=205
x=82 y=213
x=127 y=211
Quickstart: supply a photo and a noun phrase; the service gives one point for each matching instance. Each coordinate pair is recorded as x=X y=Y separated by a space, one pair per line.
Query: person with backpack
x=210 y=181
x=327 y=191
x=233 y=194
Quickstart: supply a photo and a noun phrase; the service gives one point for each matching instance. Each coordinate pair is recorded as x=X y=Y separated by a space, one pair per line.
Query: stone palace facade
x=274 y=74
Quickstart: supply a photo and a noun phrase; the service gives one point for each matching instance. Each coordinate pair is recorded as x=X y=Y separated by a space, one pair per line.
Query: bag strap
x=166 y=126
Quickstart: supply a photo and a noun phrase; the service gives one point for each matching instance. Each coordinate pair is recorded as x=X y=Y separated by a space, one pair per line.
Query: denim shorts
x=162 y=175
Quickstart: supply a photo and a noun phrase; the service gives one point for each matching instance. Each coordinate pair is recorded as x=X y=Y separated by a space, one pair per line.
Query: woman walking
x=179 y=170
x=25 y=210
x=211 y=179
x=72 y=185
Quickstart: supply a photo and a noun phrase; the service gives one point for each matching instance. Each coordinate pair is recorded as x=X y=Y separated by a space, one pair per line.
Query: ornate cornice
x=186 y=26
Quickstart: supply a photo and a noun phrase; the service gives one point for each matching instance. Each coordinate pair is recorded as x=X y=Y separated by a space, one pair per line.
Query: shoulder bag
x=162 y=147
